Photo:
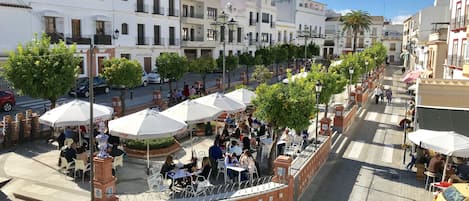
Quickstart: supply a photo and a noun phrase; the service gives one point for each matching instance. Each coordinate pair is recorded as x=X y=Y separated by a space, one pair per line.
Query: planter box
x=153 y=152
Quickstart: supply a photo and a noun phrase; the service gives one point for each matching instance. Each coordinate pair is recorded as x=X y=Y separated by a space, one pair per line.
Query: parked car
x=144 y=79
x=7 y=100
x=99 y=86
x=154 y=77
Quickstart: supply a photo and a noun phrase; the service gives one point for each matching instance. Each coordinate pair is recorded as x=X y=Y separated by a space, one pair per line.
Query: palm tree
x=356 y=21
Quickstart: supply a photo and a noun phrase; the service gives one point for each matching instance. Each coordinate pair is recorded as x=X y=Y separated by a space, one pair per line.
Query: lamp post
x=318 y=89
x=222 y=21
x=91 y=97
x=366 y=69
x=350 y=71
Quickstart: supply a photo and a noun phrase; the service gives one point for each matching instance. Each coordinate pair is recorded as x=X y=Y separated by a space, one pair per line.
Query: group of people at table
x=72 y=149
x=457 y=170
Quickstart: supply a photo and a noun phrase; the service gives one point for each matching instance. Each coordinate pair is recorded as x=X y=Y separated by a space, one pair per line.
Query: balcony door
x=100 y=28
x=171 y=8
x=147 y=64
x=156 y=35
x=76 y=28
x=141 y=34
x=172 y=34
x=50 y=24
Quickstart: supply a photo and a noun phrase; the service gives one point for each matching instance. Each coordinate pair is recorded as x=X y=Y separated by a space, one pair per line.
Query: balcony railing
x=252 y=42
x=328 y=43
x=142 y=40
x=141 y=8
x=252 y=22
x=455 y=60
x=173 y=12
x=174 y=41
x=79 y=40
x=102 y=39
x=194 y=15
x=158 y=41
x=158 y=10
x=55 y=37
x=457 y=23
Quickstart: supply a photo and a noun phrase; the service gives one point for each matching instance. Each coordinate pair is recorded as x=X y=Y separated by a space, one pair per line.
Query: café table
x=179 y=174
x=237 y=169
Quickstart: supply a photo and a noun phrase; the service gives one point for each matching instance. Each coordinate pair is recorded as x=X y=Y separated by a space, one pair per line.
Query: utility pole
x=91 y=129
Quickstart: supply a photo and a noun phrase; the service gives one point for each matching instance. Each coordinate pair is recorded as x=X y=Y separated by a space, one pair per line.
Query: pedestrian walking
x=413 y=159
x=389 y=95
x=377 y=93
x=381 y=95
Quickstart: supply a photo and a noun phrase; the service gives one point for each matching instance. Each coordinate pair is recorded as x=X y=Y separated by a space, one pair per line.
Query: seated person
x=246 y=142
x=230 y=161
x=206 y=167
x=462 y=171
x=235 y=148
x=114 y=151
x=168 y=165
x=68 y=132
x=247 y=161
x=229 y=121
x=192 y=166
x=71 y=152
x=237 y=132
x=436 y=165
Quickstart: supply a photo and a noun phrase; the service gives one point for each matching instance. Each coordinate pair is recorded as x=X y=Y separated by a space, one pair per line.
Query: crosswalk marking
x=371 y=116
x=387 y=153
x=356 y=149
x=394 y=118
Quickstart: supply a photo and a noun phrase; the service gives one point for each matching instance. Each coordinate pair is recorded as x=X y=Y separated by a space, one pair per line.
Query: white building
x=342 y=42
x=392 y=40
x=309 y=19
x=457 y=43
x=131 y=29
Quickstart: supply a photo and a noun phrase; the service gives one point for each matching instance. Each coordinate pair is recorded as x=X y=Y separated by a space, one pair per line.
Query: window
x=127 y=56
x=238 y=52
x=265 y=17
x=222 y=33
x=374 y=31
x=125 y=29
x=211 y=34
x=140 y=6
x=172 y=34
x=140 y=34
x=185 y=34
x=238 y=36
x=257 y=17
x=99 y=27
x=392 y=47
x=82 y=66
x=191 y=11
x=156 y=7
x=50 y=24
x=230 y=35
x=212 y=13
x=184 y=11
x=171 y=9
x=76 y=28
x=299 y=27
x=156 y=35
x=257 y=36
x=251 y=22
x=265 y=37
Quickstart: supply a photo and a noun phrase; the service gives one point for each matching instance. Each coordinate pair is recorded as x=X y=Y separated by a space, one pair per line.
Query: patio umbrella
x=445 y=142
x=242 y=95
x=294 y=77
x=222 y=102
x=75 y=113
x=144 y=125
x=192 y=112
x=412 y=76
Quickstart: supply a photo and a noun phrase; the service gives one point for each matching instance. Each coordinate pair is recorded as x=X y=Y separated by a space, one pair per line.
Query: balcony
x=457 y=23
x=329 y=43
x=174 y=41
x=158 y=11
x=142 y=41
x=158 y=41
x=438 y=35
x=55 y=37
x=102 y=39
x=193 y=18
x=252 y=42
x=199 y=42
x=79 y=40
x=455 y=60
x=252 y=22
x=141 y=8
x=173 y=12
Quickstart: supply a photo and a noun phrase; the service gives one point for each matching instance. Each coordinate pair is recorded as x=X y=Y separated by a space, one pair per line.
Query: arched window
x=125 y=29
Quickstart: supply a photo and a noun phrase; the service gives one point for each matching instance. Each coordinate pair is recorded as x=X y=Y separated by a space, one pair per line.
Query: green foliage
x=38 y=70
x=313 y=50
x=332 y=83
x=122 y=72
x=171 y=66
x=280 y=54
x=261 y=74
x=377 y=52
x=349 y=60
x=202 y=65
x=231 y=62
x=158 y=143
x=266 y=56
x=247 y=59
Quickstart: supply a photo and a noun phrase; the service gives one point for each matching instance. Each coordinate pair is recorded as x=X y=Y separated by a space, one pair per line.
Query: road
x=371 y=167
x=145 y=93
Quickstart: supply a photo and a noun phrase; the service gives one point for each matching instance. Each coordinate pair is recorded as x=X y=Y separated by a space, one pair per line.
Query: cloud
x=343 y=12
x=399 y=19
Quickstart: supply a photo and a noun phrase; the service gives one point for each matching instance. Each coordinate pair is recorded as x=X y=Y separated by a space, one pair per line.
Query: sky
x=395 y=10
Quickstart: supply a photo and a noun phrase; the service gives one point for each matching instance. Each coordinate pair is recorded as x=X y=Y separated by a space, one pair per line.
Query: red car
x=7 y=100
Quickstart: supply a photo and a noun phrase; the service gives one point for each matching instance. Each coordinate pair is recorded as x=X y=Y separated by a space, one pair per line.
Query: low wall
x=349 y=118
x=153 y=153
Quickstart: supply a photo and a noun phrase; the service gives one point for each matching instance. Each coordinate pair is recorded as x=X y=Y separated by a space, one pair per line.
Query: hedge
x=154 y=143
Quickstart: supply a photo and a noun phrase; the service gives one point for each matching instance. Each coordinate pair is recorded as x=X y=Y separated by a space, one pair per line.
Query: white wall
x=14 y=31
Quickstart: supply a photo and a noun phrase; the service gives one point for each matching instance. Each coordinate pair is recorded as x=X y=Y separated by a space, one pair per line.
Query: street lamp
x=350 y=70
x=222 y=21
x=366 y=69
x=318 y=89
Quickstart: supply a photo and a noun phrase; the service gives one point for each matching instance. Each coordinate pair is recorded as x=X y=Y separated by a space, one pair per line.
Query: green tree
x=356 y=21
x=38 y=70
x=280 y=55
x=266 y=57
x=123 y=73
x=202 y=65
x=332 y=83
x=171 y=66
x=261 y=74
x=283 y=106
x=348 y=61
x=248 y=61
x=291 y=52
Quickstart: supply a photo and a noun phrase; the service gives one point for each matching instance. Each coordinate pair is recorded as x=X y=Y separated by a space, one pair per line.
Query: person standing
x=389 y=95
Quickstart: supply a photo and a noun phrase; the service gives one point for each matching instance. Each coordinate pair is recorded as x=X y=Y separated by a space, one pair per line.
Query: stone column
x=27 y=125
x=157 y=97
x=7 y=130
x=325 y=124
x=18 y=134
x=339 y=117
x=103 y=181
x=358 y=95
x=35 y=126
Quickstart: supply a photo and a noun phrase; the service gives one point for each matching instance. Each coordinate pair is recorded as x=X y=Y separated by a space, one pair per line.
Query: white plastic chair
x=65 y=166
x=156 y=184
x=80 y=165
x=118 y=162
x=221 y=168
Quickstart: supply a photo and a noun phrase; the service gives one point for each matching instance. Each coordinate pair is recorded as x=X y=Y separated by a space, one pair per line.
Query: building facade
x=457 y=41
x=392 y=40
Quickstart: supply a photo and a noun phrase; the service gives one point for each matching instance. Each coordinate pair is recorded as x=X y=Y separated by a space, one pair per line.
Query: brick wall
x=348 y=119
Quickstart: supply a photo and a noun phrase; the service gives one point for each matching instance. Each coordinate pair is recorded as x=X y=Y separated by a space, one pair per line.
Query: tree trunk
x=170 y=88
x=204 y=78
x=273 y=150
x=122 y=97
x=229 y=80
x=277 y=69
x=355 y=41
x=247 y=74
x=325 y=110
x=53 y=102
